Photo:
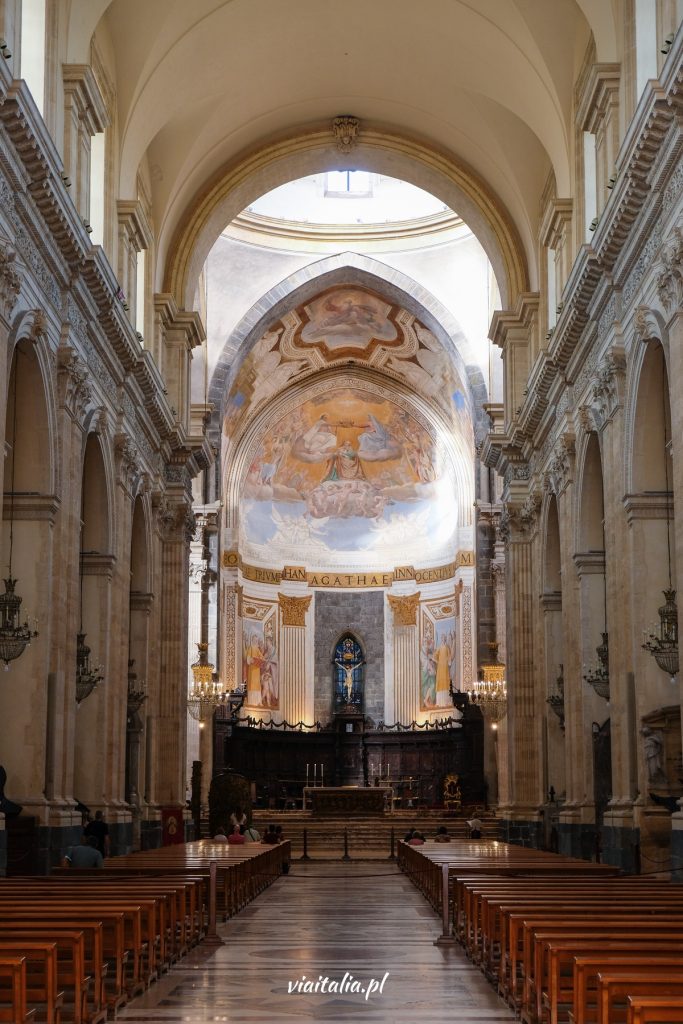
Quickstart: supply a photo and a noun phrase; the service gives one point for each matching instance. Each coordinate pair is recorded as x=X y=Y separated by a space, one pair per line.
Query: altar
x=347 y=800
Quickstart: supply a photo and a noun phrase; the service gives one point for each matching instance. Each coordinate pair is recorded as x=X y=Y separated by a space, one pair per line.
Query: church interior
x=339 y=350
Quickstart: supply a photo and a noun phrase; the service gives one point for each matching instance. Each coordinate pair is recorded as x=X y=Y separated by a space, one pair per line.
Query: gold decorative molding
x=405 y=609
x=293 y=609
x=348 y=580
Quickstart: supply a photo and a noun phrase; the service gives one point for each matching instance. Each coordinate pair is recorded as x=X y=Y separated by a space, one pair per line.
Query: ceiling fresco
x=341 y=324
x=348 y=478
x=351 y=474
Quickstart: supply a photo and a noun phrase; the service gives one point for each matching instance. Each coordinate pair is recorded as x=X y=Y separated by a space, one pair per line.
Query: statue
x=653 y=742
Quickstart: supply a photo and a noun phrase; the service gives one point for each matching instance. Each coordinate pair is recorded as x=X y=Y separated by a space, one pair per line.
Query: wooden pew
x=583 y=958
x=72 y=973
x=41 y=974
x=13 y=1006
x=654 y=1010
x=615 y=986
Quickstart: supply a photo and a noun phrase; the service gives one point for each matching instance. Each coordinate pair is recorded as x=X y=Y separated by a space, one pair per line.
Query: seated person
x=417 y=839
x=409 y=835
x=251 y=835
x=279 y=833
x=236 y=836
x=220 y=836
x=271 y=836
x=84 y=856
x=442 y=835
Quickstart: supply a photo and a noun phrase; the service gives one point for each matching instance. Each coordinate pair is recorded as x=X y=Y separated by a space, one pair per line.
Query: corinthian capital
x=405 y=609
x=518 y=520
x=293 y=609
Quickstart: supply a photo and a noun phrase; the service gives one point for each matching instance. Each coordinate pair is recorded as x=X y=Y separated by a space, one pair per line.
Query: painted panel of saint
x=348 y=675
x=260 y=663
x=437 y=662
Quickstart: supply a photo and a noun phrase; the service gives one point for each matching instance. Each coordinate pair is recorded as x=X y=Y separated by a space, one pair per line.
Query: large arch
x=380 y=150
x=348 y=268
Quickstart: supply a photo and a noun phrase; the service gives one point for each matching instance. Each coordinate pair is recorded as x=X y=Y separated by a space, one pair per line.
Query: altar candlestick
x=315 y=773
x=306 y=774
x=322 y=770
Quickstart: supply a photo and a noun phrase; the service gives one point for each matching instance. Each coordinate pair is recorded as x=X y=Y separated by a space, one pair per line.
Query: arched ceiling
x=489 y=81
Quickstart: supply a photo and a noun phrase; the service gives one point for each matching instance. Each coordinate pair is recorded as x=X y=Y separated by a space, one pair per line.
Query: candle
x=306 y=774
x=315 y=773
x=322 y=770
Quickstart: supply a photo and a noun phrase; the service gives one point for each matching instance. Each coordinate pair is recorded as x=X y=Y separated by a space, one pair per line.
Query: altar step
x=368 y=837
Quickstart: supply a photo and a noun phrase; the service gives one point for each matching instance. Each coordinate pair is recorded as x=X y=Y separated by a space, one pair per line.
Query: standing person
x=475 y=828
x=99 y=830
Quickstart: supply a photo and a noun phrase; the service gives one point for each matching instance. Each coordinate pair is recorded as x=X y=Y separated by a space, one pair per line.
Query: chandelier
x=556 y=700
x=137 y=694
x=490 y=692
x=15 y=636
x=206 y=693
x=599 y=677
x=664 y=647
x=87 y=678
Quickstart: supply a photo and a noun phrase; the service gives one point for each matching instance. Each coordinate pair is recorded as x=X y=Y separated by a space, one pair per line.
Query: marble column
x=176 y=524
x=293 y=658
x=406 y=657
x=670 y=288
x=518 y=528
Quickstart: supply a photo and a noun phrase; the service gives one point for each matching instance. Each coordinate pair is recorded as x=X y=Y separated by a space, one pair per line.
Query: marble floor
x=348 y=923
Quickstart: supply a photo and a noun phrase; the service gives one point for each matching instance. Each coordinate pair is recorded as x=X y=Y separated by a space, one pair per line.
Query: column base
x=522 y=832
x=577 y=839
x=150 y=834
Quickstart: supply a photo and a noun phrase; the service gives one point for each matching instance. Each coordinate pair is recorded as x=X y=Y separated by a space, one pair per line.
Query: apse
x=350 y=429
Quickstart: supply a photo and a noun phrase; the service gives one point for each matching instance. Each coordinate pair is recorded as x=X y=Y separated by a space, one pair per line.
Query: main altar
x=347 y=800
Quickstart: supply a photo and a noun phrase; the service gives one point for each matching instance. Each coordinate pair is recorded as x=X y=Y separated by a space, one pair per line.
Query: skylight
x=347 y=197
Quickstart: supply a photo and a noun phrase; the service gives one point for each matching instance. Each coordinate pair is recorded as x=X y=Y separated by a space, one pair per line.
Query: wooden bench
x=41 y=974
x=654 y=1010
x=615 y=986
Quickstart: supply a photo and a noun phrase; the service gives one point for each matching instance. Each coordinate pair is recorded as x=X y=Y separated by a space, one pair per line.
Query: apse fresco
x=339 y=324
x=260 y=667
x=347 y=317
x=347 y=478
x=438 y=653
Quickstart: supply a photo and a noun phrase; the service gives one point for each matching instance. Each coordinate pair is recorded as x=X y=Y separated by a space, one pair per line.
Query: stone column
x=518 y=528
x=406 y=657
x=607 y=410
x=85 y=114
x=176 y=525
x=293 y=658
x=670 y=290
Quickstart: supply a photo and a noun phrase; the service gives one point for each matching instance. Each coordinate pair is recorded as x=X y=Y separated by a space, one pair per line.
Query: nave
x=325 y=920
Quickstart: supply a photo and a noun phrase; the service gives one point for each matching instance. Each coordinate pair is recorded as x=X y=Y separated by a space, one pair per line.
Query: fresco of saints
x=269 y=676
x=428 y=677
x=345 y=464
x=319 y=439
x=376 y=443
x=442 y=660
x=253 y=656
